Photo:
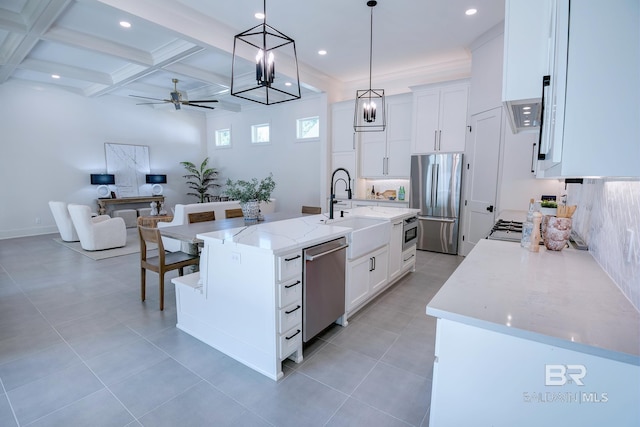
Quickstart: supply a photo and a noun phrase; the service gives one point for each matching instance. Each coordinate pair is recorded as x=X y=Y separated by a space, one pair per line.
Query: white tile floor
x=78 y=348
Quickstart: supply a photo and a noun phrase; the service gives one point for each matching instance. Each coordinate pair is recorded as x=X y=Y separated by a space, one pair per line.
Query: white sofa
x=181 y=216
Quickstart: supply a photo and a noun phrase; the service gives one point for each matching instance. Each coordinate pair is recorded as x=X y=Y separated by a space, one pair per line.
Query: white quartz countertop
x=560 y=298
x=381 y=212
x=280 y=236
x=305 y=231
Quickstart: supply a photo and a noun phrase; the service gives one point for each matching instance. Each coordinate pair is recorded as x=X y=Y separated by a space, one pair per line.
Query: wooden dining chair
x=311 y=210
x=161 y=263
x=201 y=216
x=233 y=213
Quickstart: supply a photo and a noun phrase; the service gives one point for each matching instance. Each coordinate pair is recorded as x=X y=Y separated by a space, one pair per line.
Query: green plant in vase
x=250 y=194
x=200 y=179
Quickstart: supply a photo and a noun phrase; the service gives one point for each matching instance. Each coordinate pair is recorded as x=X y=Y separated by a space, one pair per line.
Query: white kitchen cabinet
x=248 y=306
x=388 y=154
x=409 y=259
x=342 y=133
x=440 y=117
x=395 y=249
x=527 y=33
x=366 y=276
x=526 y=392
x=592 y=106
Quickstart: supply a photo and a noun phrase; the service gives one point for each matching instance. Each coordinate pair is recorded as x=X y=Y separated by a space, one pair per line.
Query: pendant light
x=253 y=71
x=370 y=104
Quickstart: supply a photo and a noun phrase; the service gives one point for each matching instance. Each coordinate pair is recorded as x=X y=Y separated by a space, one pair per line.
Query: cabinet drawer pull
x=410 y=256
x=291 y=259
x=297 y=332
x=291 y=311
x=292 y=285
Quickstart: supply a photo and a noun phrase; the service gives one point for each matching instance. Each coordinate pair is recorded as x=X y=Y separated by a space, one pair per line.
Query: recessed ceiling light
x=287 y=84
x=526 y=112
x=125 y=24
x=259 y=15
x=55 y=76
x=526 y=108
x=322 y=52
x=470 y=12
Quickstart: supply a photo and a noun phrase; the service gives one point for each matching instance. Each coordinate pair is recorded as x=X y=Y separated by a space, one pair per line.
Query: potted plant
x=200 y=179
x=250 y=194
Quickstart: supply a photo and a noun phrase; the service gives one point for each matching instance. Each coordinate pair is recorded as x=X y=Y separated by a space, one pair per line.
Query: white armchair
x=101 y=232
x=63 y=221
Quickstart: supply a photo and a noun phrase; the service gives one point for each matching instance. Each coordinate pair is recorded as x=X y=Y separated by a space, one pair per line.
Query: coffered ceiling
x=82 y=42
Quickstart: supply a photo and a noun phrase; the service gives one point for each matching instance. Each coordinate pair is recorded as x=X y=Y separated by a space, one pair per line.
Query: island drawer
x=289 y=317
x=289 y=265
x=290 y=292
x=290 y=342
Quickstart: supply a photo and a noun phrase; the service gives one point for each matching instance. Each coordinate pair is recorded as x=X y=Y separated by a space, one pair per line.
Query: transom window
x=260 y=133
x=308 y=128
x=223 y=137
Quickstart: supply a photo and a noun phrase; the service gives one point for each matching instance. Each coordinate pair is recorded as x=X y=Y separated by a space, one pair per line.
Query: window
x=308 y=128
x=260 y=134
x=223 y=137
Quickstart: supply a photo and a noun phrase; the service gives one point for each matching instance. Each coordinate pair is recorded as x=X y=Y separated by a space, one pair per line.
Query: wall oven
x=409 y=232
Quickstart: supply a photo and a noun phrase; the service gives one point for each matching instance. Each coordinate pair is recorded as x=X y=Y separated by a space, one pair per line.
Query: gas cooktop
x=506 y=230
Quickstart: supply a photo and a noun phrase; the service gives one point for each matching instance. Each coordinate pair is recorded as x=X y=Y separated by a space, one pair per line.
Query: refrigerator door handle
x=438 y=219
x=433 y=187
x=437 y=178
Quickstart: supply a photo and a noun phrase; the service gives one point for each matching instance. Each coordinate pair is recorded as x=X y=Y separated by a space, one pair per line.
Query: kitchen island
x=528 y=338
x=246 y=301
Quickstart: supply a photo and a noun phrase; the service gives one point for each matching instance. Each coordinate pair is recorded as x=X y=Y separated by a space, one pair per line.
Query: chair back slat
x=311 y=210
x=233 y=213
x=201 y=217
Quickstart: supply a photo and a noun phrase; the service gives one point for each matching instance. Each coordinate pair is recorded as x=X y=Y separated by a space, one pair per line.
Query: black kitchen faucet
x=333 y=188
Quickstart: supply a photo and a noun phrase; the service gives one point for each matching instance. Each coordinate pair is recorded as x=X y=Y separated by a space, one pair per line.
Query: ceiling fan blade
x=146 y=97
x=200 y=106
x=150 y=103
x=204 y=100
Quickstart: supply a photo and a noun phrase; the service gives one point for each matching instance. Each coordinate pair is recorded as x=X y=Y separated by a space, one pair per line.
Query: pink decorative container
x=557 y=233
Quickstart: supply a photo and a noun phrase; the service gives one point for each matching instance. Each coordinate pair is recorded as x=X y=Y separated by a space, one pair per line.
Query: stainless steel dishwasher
x=323 y=289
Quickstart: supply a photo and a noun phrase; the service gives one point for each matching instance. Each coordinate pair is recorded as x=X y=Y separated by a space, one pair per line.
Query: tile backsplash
x=607 y=209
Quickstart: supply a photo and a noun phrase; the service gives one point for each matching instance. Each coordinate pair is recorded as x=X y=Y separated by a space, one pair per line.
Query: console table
x=103 y=203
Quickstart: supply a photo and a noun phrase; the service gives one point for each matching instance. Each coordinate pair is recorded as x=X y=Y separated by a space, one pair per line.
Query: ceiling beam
x=91 y=43
x=66 y=70
x=44 y=16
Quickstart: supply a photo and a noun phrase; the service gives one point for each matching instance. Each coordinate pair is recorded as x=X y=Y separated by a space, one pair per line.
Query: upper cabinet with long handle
x=440 y=117
x=591 y=110
x=387 y=154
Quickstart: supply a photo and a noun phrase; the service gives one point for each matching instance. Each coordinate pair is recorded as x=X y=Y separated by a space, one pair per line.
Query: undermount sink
x=368 y=234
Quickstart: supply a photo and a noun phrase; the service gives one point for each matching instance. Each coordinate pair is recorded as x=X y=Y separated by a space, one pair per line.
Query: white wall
x=53 y=139
x=298 y=168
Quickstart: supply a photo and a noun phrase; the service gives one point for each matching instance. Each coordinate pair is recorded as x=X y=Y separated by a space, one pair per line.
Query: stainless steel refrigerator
x=435 y=190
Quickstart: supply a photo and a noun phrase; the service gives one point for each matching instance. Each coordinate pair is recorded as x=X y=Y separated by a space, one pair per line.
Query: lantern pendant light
x=263 y=45
x=370 y=104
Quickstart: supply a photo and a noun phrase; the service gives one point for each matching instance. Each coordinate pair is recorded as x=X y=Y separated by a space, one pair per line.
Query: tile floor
x=78 y=348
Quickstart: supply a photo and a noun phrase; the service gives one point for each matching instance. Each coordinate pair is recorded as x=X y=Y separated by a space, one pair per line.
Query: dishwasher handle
x=314 y=257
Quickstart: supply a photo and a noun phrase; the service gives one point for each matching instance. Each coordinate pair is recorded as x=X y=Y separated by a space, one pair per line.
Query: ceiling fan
x=176 y=99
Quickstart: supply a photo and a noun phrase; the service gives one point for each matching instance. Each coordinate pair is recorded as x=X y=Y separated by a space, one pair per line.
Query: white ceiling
x=192 y=40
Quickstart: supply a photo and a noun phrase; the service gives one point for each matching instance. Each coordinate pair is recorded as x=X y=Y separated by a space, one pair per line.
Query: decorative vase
x=250 y=210
x=557 y=233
